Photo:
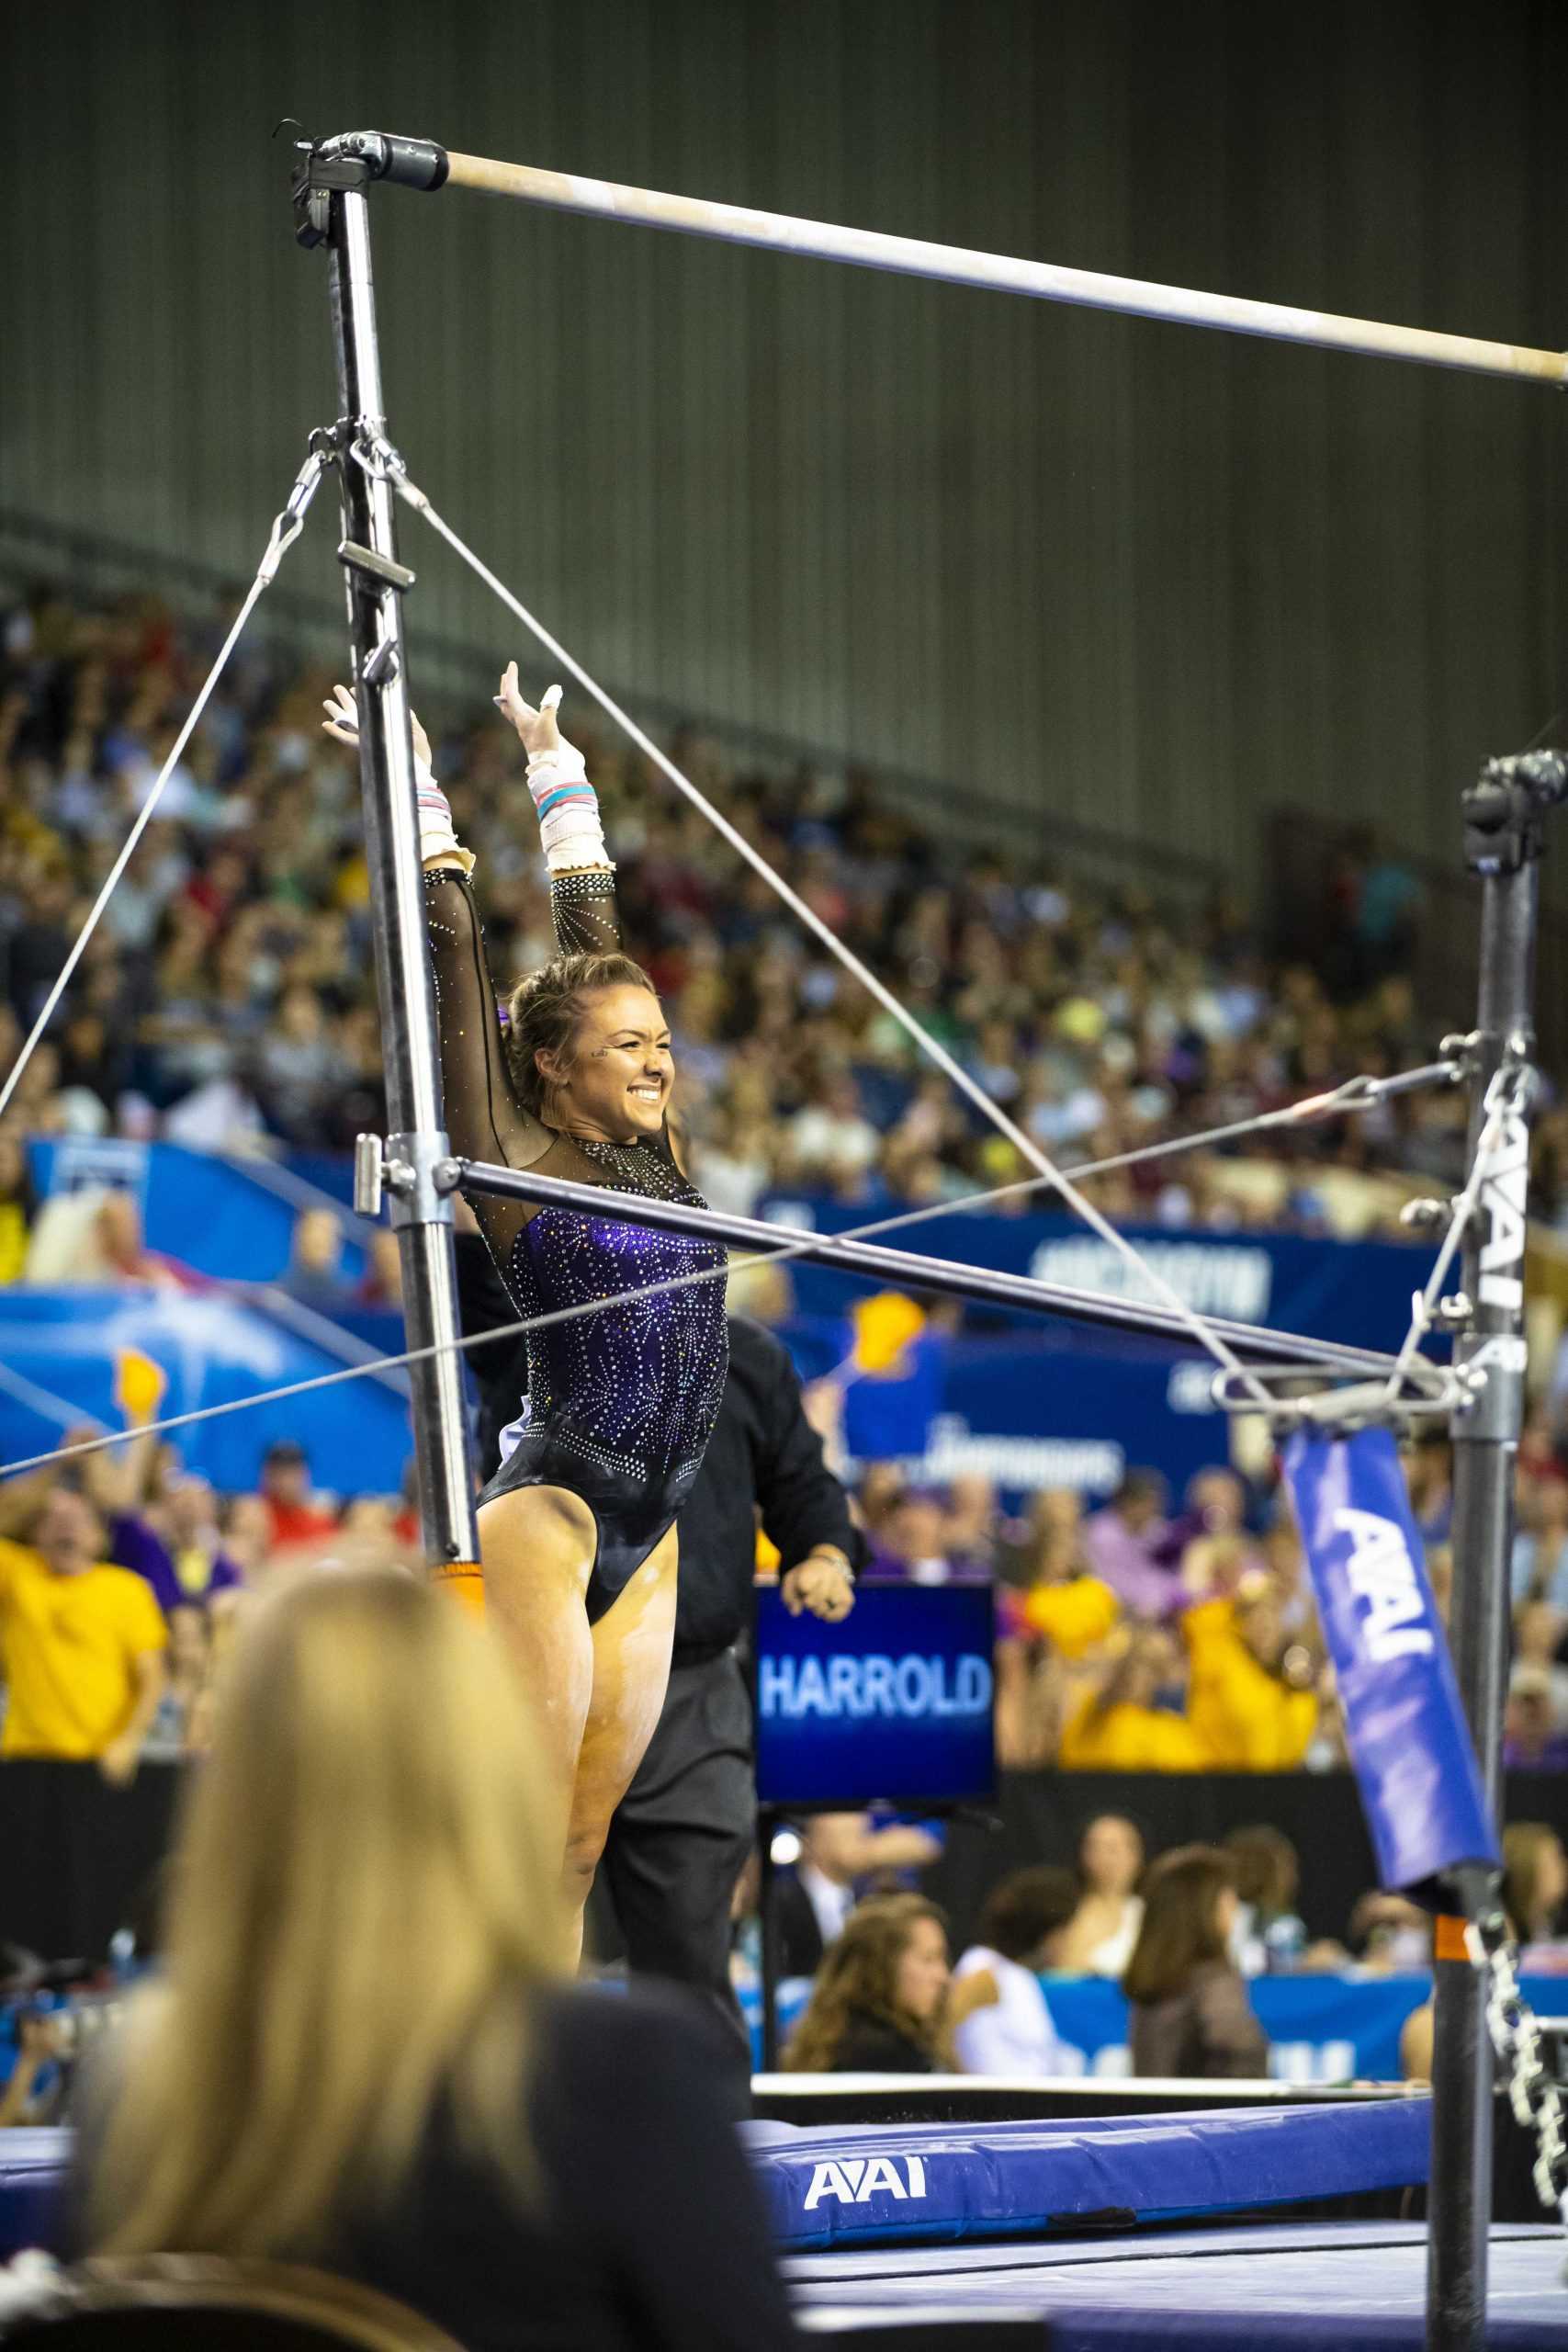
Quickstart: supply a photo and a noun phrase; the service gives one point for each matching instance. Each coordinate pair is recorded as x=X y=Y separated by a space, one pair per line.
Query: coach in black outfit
x=683 y=1832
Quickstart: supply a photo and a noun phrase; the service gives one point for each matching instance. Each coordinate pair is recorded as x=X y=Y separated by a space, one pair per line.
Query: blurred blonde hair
x=365 y=1891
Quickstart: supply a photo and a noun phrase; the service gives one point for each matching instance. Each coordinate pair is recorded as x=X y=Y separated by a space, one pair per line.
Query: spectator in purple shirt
x=134 y=1544
x=114 y=1483
x=1123 y=1542
x=1531 y=1742
x=176 y=1549
x=205 y=1576
x=169 y=1538
x=184 y=1574
x=911 y=1541
x=1215 y=1504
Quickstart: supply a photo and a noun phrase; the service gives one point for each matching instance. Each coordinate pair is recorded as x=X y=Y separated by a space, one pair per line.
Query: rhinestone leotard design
x=621 y=1404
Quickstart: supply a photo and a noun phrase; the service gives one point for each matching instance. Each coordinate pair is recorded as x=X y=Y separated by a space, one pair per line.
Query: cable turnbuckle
x=380 y=459
x=290 y=521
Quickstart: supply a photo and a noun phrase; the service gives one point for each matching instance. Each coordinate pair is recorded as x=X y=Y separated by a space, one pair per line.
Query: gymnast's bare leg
x=596 y=1689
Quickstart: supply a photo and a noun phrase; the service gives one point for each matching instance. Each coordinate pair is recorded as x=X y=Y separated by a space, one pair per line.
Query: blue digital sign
x=895 y=1705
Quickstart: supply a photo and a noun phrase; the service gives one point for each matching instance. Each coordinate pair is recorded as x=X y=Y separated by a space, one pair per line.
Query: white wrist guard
x=568 y=808
x=436 y=838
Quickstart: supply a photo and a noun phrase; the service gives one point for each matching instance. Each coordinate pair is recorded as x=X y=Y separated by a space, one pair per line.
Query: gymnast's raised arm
x=484 y=1120
x=582 y=880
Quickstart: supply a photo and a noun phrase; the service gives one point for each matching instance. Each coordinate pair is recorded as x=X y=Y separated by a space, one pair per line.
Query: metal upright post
x=376 y=580
x=1502 y=816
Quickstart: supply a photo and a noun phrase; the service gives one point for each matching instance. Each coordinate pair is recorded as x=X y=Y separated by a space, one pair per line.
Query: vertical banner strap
x=1410 y=1745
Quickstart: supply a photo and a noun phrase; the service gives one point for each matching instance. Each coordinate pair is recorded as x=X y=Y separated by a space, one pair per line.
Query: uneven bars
x=869 y=1262
x=694 y=216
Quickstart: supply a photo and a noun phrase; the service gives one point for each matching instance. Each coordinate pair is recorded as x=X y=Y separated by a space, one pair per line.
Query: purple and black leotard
x=621 y=1403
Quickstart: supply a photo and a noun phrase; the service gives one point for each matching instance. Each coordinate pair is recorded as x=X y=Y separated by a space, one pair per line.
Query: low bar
x=737 y=224
x=874 y=1263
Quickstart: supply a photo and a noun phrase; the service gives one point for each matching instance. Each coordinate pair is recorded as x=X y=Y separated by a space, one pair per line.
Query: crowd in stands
x=1182 y=1932
x=1139 y=1637
x=1131 y=1637
x=227 y=999
x=122 y=1575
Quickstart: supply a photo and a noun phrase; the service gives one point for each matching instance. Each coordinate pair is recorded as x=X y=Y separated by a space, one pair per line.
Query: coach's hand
x=120 y=1760
x=820 y=1584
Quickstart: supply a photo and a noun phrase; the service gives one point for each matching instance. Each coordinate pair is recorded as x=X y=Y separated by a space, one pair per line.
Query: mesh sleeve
x=484 y=1119
x=583 y=908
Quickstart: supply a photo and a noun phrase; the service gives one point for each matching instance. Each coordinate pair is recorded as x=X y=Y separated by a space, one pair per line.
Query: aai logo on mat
x=854 y=2180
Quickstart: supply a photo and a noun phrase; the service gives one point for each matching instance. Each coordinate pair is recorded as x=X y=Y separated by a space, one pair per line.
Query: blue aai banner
x=1404 y=1726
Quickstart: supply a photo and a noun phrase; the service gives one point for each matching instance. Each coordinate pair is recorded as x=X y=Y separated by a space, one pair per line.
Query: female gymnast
x=577 y=1528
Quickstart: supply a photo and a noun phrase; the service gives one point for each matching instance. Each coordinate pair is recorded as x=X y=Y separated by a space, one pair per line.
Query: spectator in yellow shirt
x=1053 y=1618
x=1074 y=1616
x=1118 y=1727
x=16 y=1207
x=1253 y=1702
x=82 y=1644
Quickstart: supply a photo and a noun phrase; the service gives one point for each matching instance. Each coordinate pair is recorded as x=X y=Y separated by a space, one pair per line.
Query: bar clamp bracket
x=1504 y=810
x=415 y=1174
x=326 y=167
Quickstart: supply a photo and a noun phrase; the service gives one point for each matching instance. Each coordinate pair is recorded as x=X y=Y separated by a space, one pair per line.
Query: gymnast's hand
x=536 y=730
x=820 y=1584
x=564 y=801
x=342 y=722
x=438 y=844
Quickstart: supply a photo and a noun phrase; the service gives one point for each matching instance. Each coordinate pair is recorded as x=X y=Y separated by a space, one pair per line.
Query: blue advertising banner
x=1405 y=1726
x=894 y=1705
x=1354 y=1291
x=1046 y=1407
x=1320 y=2029
x=57 y=1363
x=222 y=1218
x=1050 y=1412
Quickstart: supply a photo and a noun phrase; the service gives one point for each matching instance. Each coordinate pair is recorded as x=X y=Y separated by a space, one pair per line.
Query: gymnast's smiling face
x=613 y=1084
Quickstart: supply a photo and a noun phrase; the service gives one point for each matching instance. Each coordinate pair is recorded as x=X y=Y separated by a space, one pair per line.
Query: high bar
x=870 y=1262
x=422 y=163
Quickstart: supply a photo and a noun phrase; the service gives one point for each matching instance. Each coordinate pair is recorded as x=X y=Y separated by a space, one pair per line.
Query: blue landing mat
x=889 y=2183
x=1349 y=2287
x=892 y=2184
